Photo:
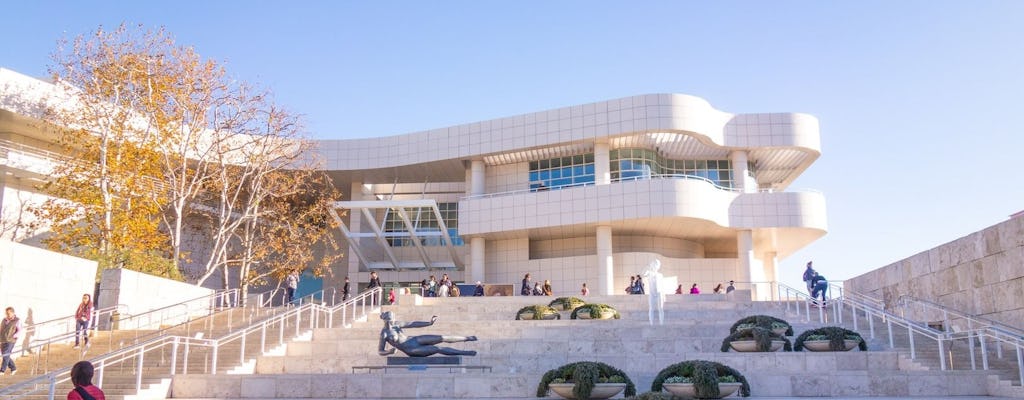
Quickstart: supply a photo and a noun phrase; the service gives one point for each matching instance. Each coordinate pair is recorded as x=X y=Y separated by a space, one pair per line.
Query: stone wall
x=981 y=274
x=43 y=285
x=140 y=293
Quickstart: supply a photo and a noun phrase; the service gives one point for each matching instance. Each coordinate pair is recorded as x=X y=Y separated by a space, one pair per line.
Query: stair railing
x=175 y=350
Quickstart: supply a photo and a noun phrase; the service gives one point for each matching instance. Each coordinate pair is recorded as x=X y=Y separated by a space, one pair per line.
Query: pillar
x=477 y=178
x=745 y=255
x=476 y=260
x=602 y=164
x=740 y=172
x=771 y=272
x=605 y=269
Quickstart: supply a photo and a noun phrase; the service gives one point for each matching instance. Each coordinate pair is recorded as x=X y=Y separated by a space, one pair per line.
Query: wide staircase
x=138 y=364
x=520 y=352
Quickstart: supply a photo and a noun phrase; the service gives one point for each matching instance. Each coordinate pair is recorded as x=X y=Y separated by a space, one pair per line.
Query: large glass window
x=557 y=173
x=629 y=164
x=424 y=220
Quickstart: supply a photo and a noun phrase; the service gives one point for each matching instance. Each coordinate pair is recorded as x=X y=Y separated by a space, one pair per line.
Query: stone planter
x=747 y=346
x=822 y=345
x=604 y=315
x=686 y=390
x=601 y=390
x=528 y=316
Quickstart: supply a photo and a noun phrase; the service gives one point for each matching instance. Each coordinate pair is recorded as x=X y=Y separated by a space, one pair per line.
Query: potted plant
x=585 y=380
x=594 y=311
x=830 y=338
x=566 y=303
x=777 y=325
x=537 y=312
x=756 y=339
x=701 y=379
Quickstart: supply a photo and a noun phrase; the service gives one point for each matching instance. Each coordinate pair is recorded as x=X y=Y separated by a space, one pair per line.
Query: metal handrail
x=974 y=321
x=136 y=353
x=629 y=179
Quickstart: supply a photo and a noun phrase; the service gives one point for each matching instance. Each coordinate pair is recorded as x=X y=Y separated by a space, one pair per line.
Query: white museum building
x=589 y=193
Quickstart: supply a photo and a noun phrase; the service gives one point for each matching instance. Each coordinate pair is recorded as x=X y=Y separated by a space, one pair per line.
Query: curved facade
x=584 y=194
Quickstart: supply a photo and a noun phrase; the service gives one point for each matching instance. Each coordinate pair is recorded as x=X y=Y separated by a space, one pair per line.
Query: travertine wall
x=980 y=274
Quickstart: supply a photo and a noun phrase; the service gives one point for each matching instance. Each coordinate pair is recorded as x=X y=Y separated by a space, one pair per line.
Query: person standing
x=639 y=285
x=584 y=291
x=374 y=283
x=694 y=289
x=525 y=291
x=730 y=288
x=81 y=377
x=537 y=290
x=291 y=283
x=9 y=329
x=631 y=289
x=820 y=285
x=82 y=317
x=809 y=275
x=547 y=288
x=479 y=291
x=344 y=290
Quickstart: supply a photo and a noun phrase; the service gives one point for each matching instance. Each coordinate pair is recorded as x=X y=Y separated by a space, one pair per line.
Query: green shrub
x=594 y=310
x=584 y=375
x=834 y=334
x=704 y=375
x=539 y=311
x=566 y=303
x=656 y=396
x=763 y=337
x=763 y=321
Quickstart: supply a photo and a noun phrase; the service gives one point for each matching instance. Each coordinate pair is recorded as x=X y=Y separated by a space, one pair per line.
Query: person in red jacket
x=81 y=377
x=83 y=315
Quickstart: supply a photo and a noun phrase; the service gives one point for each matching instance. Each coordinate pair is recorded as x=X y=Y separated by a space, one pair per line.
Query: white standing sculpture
x=657 y=291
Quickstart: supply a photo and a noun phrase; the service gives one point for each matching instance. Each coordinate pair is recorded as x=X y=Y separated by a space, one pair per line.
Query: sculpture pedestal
x=433 y=360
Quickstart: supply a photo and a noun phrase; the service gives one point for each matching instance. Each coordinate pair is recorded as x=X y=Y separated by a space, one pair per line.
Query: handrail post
x=174 y=355
x=263 y=338
x=853 y=311
x=101 y=367
x=213 y=363
x=871 y=322
x=138 y=370
x=1020 y=361
x=892 y=342
x=942 y=353
x=241 y=354
x=184 y=358
x=984 y=352
x=821 y=314
x=53 y=386
x=807 y=310
x=913 y=352
x=970 y=342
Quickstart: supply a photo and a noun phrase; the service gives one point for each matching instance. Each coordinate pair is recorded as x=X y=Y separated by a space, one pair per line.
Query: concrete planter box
x=601 y=390
x=527 y=316
x=604 y=315
x=822 y=345
x=748 y=346
x=687 y=390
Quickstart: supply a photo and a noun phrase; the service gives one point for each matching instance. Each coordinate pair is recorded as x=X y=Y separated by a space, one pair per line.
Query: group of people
x=816 y=283
x=719 y=289
x=636 y=285
x=11 y=327
x=531 y=288
x=444 y=288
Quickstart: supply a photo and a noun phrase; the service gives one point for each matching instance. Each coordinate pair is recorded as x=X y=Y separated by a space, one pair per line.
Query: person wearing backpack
x=808 y=276
x=81 y=377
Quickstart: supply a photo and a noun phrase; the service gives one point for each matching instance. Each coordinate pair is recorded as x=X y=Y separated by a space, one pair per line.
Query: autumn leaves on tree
x=160 y=140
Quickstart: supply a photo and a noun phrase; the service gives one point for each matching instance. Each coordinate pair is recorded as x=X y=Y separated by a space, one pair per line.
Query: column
x=602 y=163
x=745 y=254
x=476 y=260
x=477 y=178
x=740 y=173
x=771 y=271
x=605 y=269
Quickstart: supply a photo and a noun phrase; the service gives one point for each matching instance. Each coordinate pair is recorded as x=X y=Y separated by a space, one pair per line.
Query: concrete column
x=602 y=164
x=476 y=260
x=605 y=269
x=740 y=172
x=745 y=254
x=477 y=178
x=771 y=272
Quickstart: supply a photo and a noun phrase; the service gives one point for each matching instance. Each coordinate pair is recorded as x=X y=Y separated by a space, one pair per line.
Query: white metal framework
x=401 y=208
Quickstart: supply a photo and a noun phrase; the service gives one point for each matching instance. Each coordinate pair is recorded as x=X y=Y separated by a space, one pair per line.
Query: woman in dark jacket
x=527 y=288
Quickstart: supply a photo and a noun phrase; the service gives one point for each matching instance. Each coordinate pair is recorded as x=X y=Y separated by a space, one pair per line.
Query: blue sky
x=919 y=101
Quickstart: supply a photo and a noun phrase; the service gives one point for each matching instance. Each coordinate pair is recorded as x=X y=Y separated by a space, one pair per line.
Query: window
x=628 y=164
x=424 y=221
x=557 y=173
